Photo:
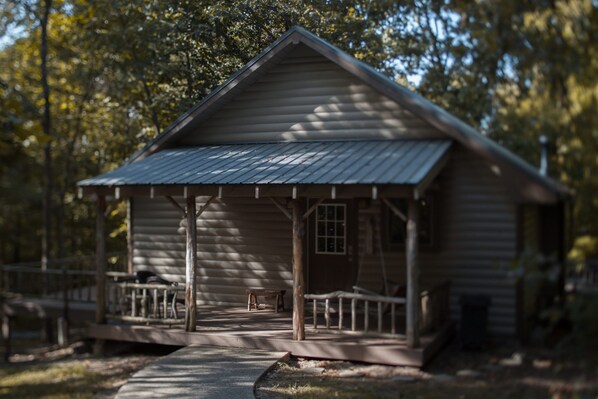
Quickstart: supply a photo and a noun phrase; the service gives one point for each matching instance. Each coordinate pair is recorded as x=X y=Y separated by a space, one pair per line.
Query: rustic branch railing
x=382 y=309
x=359 y=305
x=143 y=303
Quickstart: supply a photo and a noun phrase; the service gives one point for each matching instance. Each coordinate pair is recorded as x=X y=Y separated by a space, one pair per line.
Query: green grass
x=51 y=381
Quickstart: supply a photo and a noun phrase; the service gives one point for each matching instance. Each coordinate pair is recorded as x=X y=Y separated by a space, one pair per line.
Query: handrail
x=66 y=260
x=362 y=297
x=28 y=269
x=434 y=310
x=143 y=302
x=149 y=286
x=69 y=283
x=382 y=303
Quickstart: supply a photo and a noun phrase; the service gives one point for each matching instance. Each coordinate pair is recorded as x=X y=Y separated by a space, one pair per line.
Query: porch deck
x=265 y=329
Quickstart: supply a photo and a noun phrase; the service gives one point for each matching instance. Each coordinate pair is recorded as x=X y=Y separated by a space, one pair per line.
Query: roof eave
x=291 y=37
x=543 y=189
x=540 y=188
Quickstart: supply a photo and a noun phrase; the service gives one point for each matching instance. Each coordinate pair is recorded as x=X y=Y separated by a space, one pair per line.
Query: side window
x=330 y=229
x=397 y=228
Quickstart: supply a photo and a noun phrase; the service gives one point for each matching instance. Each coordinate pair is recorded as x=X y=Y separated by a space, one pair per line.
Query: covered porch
x=236 y=327
x=297 y=179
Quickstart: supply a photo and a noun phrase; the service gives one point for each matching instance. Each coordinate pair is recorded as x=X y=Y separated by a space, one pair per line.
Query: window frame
x=317 y=236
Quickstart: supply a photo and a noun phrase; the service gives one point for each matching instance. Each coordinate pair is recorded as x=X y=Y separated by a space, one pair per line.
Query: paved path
x=201 y=372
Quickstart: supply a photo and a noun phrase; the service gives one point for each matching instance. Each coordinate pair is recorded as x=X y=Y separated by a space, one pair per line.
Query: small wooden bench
x=277 y=295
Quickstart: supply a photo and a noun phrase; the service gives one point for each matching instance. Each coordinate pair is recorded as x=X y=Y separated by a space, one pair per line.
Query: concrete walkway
x=201 y=372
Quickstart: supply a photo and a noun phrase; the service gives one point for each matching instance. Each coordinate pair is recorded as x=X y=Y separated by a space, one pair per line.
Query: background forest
x=84 y=84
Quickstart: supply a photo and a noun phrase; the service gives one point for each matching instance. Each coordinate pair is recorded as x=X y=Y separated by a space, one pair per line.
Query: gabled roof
x=530 y=183
x=376 y=162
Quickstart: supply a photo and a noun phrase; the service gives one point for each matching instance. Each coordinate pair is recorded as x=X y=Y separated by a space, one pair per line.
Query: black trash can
x=474 y=321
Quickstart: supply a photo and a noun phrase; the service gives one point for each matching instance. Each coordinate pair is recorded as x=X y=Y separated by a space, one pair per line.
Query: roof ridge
x=540 y=187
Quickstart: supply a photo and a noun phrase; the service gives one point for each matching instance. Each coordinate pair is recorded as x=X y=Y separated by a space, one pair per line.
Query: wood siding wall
x=477 y=241
x=242 y=243
x=247 y=243
x=308 y=97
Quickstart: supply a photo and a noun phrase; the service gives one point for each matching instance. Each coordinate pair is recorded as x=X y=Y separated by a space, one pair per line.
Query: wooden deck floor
x=264 y=329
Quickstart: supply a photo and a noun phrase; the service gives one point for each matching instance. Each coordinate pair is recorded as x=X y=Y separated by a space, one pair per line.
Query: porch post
x=130 y=237
x=413 y=295
x=190 y=264
x=101 y=260
x=298 y=284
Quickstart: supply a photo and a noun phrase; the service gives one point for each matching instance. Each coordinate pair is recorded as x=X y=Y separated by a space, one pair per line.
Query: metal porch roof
x=401 y=162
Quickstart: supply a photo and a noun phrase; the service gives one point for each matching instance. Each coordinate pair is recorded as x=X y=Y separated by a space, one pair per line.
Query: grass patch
x=51 y=381
x=50 y=372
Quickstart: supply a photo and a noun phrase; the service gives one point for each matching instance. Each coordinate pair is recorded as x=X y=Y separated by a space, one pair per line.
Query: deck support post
x=413 y=295
x=6 y=336
x=130 y=237
x=101 y=260
x=190 y=265
x=100 y=269
x=298 y=283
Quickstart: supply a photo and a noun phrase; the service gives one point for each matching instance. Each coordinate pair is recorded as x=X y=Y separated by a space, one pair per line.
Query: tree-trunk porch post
x=298 y=283
x=101 y=260
x=413 y=294
x=190 y=265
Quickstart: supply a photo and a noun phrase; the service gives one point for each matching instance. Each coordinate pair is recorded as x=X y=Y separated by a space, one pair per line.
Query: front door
x=332 y=246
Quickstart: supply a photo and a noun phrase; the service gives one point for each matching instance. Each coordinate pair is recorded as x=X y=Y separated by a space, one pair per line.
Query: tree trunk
x=101 y=260
x=298 y=283
x=190 y=265
x=61 y=253
x=413 y=295
x=47 y=129
x=130 y=237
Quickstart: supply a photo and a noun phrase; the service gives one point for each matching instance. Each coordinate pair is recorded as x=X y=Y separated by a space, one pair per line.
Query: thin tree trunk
x=16 y=254
x=150 y=100
x=47 y=129
x=61 y=253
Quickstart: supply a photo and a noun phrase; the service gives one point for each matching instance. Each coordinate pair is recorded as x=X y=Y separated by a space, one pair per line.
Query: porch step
x=201 y=372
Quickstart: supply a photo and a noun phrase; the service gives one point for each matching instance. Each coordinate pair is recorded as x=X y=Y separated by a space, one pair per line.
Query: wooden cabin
x=310 y=172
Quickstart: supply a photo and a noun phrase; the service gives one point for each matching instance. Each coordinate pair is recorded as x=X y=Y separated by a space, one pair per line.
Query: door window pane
x=330 y=229
x=321 y=244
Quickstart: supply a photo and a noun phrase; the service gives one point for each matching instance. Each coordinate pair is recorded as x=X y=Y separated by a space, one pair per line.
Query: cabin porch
x=266 y=329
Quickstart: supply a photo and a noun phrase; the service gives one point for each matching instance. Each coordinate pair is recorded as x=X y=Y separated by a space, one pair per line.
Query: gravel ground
x=502 y=371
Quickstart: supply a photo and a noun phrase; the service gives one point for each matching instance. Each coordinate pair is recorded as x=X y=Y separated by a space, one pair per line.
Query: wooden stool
x=278 y=295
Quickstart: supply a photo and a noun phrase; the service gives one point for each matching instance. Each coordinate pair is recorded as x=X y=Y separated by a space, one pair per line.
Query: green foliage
x=121 y=71
x=584 y=248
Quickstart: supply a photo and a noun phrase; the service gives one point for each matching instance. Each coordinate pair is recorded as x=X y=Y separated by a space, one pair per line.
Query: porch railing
x=31 y=282
x=143 y=302
x=361 y=306
x=71 y=279
x=377 y=314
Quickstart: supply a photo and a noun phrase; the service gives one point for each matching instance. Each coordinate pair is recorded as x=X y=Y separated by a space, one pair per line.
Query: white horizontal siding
x=240 y=244
x=477 y=241
x=306 y=96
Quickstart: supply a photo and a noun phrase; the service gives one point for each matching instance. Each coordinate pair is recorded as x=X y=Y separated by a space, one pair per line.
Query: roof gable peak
x=538 y=187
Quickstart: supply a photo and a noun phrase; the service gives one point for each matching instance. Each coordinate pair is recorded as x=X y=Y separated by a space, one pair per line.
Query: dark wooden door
x=332 y=246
